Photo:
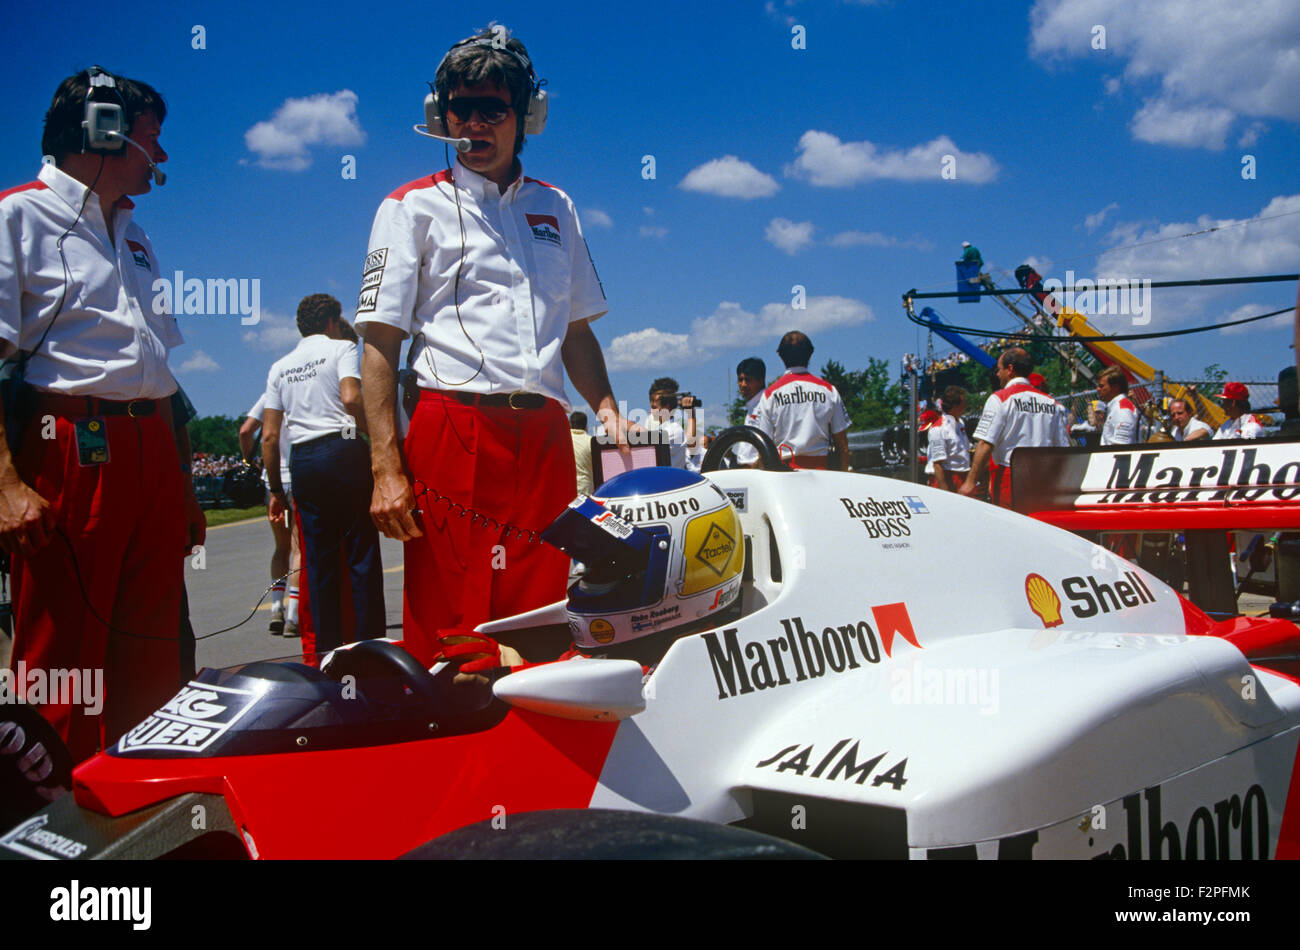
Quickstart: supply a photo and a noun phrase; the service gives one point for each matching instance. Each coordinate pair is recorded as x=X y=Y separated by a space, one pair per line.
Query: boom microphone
x=462 y=145
x=159 y=176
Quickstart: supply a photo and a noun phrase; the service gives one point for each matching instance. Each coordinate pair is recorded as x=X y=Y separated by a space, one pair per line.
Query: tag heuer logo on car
x=191 y=721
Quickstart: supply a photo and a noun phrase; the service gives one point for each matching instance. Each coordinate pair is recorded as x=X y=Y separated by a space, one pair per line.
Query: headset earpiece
x=103 y=123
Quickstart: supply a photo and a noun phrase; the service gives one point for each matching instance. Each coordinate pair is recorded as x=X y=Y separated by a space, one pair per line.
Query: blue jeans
x=332 y=487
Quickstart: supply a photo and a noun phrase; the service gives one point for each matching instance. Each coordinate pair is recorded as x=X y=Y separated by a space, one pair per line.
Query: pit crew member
x=1236 y=406
x=286 y=559
x=1014 y=416
x=95 y=509
x=1187 y=428
x=489 y=272
x=315 y=392
x=1121 y=415
x=751 y=380
x=801 y=412
x=949 y=450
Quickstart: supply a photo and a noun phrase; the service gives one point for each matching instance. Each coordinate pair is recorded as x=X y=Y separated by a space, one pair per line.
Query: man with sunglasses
x=489 y=273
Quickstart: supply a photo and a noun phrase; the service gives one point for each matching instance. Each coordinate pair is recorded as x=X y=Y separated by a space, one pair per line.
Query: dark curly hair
x=476 y=59
x=316 y=311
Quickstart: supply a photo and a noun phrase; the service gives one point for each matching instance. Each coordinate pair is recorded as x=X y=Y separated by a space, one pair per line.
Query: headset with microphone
x=535 y=115
x=104 y=123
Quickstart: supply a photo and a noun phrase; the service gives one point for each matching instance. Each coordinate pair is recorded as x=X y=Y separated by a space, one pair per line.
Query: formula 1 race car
x=851 y=665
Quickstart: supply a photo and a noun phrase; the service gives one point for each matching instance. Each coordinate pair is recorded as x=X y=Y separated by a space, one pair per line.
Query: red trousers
x=513 y=466
x=124 y=521
x=1000 y=484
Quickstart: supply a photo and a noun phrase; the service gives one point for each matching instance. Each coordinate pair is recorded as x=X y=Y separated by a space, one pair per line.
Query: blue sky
x=774 y=166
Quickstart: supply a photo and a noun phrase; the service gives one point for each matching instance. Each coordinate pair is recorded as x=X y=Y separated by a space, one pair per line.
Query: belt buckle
x=511 y=402
x=131 y=408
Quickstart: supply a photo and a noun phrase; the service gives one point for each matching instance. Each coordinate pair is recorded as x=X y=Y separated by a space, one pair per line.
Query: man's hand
x=26 y=519
x=275 y=508
x=392 y=506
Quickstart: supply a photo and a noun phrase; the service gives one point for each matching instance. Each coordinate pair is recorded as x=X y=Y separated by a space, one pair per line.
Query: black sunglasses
x=492 y=111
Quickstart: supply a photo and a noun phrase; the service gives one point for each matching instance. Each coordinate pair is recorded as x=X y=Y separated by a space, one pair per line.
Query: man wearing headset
x=489 y=272
x=95 y=510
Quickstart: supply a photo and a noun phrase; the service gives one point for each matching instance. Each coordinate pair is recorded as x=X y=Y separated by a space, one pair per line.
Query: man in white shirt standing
x=1121 y=424
x=949 y=451
x=315 y=392
x=1015 y=416
x=489 y=272
x=1236 y=406
x=751 y=380
x=1187 y=428
x=801 y=412
x=663 y=402
x=286 y=559
x=95 y=509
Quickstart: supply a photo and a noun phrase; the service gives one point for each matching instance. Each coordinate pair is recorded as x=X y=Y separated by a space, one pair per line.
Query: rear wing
x=1161 y=486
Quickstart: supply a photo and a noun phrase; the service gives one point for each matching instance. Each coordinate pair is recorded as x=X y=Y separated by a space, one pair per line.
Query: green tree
x=215 y=435
x=871 y=399
x=736 y=411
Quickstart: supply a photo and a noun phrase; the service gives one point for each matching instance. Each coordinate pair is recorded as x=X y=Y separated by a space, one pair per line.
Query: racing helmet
x=661 y=548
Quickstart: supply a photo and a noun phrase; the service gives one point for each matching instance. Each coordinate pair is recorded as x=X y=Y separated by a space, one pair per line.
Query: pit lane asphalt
x=235 y=573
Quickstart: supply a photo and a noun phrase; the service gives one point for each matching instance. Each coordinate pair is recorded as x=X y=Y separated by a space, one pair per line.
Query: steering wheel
x=760 y=440
x=384 y=658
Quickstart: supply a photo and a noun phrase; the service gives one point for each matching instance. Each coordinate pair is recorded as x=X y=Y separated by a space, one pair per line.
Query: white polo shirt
x=526 y=275
x=305 y=386
x=670 y=433
x=107 y=341
x=1243 y=427
x=256 y=413
x=801 y=412
x=1121 y=422
x=1194 y=426
x=949 y=445
x=1021 y=416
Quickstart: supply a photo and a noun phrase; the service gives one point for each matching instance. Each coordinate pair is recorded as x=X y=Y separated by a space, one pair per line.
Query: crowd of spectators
x=218 y=465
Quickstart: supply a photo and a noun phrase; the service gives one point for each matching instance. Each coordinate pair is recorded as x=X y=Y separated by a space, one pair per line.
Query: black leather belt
x=62 y=404
x=503 y=400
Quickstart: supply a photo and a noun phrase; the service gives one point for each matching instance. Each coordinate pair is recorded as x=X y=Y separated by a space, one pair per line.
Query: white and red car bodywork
x=913 y=674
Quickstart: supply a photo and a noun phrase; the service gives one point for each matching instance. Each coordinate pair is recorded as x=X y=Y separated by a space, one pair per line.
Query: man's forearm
x=585 y=365
x=979 y=461
x=379 y=399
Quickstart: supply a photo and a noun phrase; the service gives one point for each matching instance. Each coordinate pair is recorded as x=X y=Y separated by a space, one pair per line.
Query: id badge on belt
x=92 y=441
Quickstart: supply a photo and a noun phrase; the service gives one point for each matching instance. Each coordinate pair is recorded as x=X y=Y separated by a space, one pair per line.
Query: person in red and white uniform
x=1016 y=415
x=95 y=509
x=1187 y=428
x=751 y=380
x=949 y=450
x=803 y=413
x=489 y=272
x=1121 y=426
x=1236 y=406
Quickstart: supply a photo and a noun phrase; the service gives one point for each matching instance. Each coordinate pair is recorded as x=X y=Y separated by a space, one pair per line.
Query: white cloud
x=876 y=239
x=729 y=177
x=1161 y=123
x=1268 y=247
x=730 y=327
x=826 y=161
x=650 y=347
x=275 y=331
x=1093 y=221
x=323 y=119
x=199 y=362
x=788 y=235
x=1251 y=135
x=650 y=231
x=596 y=218
x=1254 y=310
x=1212 y=61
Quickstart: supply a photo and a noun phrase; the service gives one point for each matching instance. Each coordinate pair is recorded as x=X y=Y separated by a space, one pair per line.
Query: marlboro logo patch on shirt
x=545 y=227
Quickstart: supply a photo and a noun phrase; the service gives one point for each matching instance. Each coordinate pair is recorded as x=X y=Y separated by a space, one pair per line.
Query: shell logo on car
x=1043 y=600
